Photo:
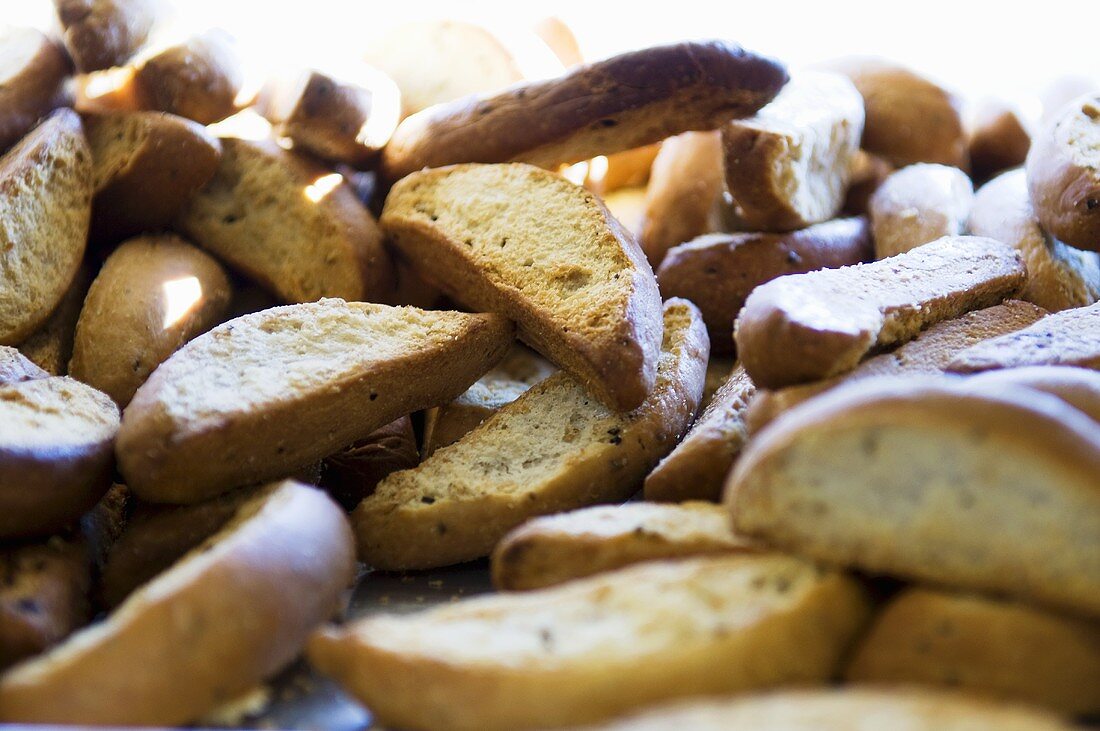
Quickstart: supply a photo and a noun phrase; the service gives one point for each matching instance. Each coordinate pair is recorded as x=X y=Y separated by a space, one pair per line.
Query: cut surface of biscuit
x=1070 y=337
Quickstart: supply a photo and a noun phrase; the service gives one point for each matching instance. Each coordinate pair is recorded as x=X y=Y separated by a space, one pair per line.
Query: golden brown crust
x=101 y=34
x=351 y=475
x=200 y=79
x=1070 y=337
x=868 y=173
x=918 y=204
x=51 y=346
x=999 y=140
x=626 y=101
x=31 y=83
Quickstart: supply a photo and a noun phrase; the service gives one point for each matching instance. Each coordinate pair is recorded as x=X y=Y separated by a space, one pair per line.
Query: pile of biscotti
x=430 y=310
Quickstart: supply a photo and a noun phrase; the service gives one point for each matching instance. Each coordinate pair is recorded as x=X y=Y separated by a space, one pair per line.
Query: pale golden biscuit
x=1070 y=337
x=33 y=71
x=918 y=204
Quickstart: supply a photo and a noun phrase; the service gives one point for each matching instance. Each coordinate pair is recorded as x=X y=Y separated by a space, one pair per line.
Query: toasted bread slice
x=101 y=34
x=929 y=353
x=788 y=166
x=984 y=645
x=626 y=101
x=554 y=448
x=351 y=475
x=1070 y=337
x=696 y=469
x=241 y=604
x=718 y=271
x=146 y=165
x=290 y=224
x=1078 y=387
x=804 y=327
x=152 y=295
x=200 y=78
x=919 y=204
x=16 y=367
x=557 y=548
x=936 y=480
x=594 y=648
x=267 y=393
x=544 y=252
x=51 y=345
x=33 y=71
x=1000 y=137
x=45 y=206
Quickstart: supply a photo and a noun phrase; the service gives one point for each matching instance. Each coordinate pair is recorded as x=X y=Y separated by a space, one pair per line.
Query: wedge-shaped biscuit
x=1063 y=174
x=1000 y=137
x=506 y=382
x=554 y=448
x=530 y=245
x=788 y=166
x=101 y=34
x=918 y=204
x=56 y=460
x=200 y=78
x=696 y=469
x=929 y=353
x=844 y=709
x=935 y=480
x=351 y=475
x=146 y=165
x=264 y=394
x=45 y=206
x=557 y=548
x=152 y=295
x=1078 y=387
x=1069 y=337
x=594 y=648
x=626 y=101
x=1058 y=276
x=16 y=367
x=33 y=70
x=51 y=345
x=718 y=271
x=227 y=616
x=985 y=645
x=291 y=225
x=809 y=326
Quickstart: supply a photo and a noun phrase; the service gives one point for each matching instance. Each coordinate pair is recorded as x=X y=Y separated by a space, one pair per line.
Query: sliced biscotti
x=1000 y=137
x=56 y=453
x=718 y=271
x=200 y=78
x=1058 y=276
x=51 y=345
x=227 y=616
x=804 y=327
x=100 y=34
x=530 y=245
x=557 y=548
x=45 y=206
x=936 y=480
x=1063 y=174
x=929 y=353
x=152 y=295
x=986 y=645
x=16 y=367
x=788 y=166
x=1078 y=387
x=594 y=648
x=288 y=223
x=33 y=71
x=351 y=475
x=146 y=165
x=264 y=394
x=696 y=469
x=554 y=448
x=918 y=204
x=1070 y=337
x=626 y=101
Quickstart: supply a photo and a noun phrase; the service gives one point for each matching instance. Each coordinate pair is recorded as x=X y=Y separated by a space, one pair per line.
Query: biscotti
x=45 y=206
x=984 y=645
x=200 y=78
x=1000 y=138
x=100 y=34
x=554 y=448
x=351 y=475
x=788 y=166
x=933 y=479
x=626 y=169
x=152 y=295
x=530 y=245
x=919 y=204
x=264 y=394
x=620 y=103
x=290 y=224
x=557 y=548
x=240 y=605
x=1063 y=174
x=805 y=327
x=51 y=345
x=16 y=367
x=33 y=72
x=718 y=271
x=556 y=34
x=594 y=648
x=1070 y=337
x=1078 y=387
x=868 y=173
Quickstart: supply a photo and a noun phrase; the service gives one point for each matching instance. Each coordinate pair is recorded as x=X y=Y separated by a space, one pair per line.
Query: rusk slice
x=554 y=448
x=101 y=34
x=544 y=252
x=200 y=78
x=557 y=548
x=936 y=480
x=51 y=345
x=594 y=648
x=918 y=204
x=266 y=393
x=804 y=327
x=1069 y=337
x=16 y=367
x=33 y=71
x=1000 y=138
x=351 y=475
x=1078 y=387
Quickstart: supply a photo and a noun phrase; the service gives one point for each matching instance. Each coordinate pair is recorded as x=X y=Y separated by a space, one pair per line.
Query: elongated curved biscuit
x=1070 y=337
x=1078 y=387
x=264 y=394
x=33 y=70
x=626 y=101
x=554 y=448
x=809 y=326
x=594 y=648
x=200 y=78
x=918 y=204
